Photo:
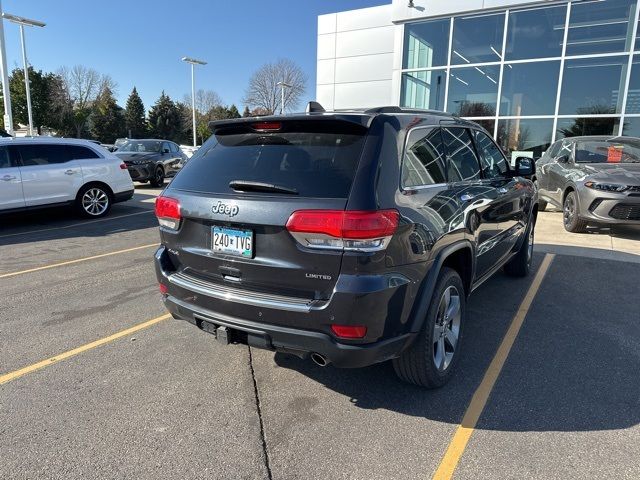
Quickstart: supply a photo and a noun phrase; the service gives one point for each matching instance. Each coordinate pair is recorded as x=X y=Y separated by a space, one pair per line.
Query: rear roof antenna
x=313 y=107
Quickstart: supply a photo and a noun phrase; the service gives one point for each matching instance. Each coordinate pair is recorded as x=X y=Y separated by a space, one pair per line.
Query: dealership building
x=529 y=72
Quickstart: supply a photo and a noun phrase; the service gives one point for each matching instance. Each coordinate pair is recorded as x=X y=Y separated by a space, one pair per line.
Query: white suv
x=44 y=172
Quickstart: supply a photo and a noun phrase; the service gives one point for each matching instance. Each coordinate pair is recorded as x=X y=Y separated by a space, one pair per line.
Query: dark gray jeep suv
x=349 y=237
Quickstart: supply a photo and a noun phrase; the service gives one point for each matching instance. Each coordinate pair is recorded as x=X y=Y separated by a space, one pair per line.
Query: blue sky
x=140 y=42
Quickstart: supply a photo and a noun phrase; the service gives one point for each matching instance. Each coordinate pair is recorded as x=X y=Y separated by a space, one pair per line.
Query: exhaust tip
x=319 y=359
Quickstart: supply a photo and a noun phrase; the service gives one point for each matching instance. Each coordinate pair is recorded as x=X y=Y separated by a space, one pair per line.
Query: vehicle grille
x=625 y=212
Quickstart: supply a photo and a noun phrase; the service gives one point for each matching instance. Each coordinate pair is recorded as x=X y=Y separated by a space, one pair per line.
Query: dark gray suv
x=348 y=237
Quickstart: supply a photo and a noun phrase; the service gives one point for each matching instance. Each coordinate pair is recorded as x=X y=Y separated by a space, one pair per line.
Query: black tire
x=417 y=364
x=520 y=263
x=570 y=213
x=158 y=178
x=94 y=201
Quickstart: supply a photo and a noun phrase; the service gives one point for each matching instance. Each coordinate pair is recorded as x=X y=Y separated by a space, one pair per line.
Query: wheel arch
x=460 y=257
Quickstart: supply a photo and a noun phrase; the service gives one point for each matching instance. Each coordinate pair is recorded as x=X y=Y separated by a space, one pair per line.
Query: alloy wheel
x=569 y=210
x=95 y=201
x=446 y=330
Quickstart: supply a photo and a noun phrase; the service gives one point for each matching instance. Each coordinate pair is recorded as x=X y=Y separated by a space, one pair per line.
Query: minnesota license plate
x=231 y=241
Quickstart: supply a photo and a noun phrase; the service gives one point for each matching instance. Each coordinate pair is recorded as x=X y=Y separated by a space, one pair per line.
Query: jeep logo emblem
x=224 y=209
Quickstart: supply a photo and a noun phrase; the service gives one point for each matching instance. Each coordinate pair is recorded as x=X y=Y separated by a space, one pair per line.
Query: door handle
x=70 y=172
x=8 y=178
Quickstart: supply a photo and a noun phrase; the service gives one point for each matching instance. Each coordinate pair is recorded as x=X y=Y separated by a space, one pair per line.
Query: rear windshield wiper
x=249 y=186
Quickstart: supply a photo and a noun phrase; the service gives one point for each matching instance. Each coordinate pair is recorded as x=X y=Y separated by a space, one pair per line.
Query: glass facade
x=530 y=75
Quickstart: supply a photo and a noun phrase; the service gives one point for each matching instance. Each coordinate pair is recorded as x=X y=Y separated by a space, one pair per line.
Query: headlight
x=606 y=187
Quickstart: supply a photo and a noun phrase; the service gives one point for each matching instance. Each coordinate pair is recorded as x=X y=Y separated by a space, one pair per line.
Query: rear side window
x=313 y=158
x=424 y=159
x=77 y=152
x=5 y=160
x=463 y=163
x=32 y=155
x=491 y=158
x=173 y=148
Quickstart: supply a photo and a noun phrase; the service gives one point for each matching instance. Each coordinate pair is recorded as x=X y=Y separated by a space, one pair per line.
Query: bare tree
x=84 y=85
x=264 y=93
x=206 y=100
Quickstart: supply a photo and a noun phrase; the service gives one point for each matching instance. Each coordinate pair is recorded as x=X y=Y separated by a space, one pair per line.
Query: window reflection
x=426 y=44
x=525 y=135
x=424 y=89
x=574 y=127
x=593 y=85
x=633 y=95
x=473 y=91
x=477 y=39
x=632 y=126
x=536 y=33
x=529 y=88
x=600 y=27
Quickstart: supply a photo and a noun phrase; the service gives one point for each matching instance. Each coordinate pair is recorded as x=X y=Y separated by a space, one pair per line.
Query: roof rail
x=314 y=107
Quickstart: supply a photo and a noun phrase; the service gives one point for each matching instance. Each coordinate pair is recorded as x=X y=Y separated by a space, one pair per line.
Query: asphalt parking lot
x=163 y=400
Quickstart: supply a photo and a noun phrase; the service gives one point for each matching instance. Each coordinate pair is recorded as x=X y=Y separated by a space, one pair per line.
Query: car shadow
x=573 y=367
x=63 y=222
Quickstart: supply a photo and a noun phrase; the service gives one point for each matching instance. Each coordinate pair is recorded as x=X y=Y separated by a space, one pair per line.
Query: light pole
x=29 y=23
x=8 y=119
x=193 y=63
x=282 y=86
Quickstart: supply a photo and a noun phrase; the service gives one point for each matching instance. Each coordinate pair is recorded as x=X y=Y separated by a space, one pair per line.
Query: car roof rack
x=314 y=107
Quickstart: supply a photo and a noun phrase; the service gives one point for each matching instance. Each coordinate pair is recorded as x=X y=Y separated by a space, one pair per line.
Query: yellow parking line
x=79 y=224
x=7 y=377
x=77 y=260
x=474 y=410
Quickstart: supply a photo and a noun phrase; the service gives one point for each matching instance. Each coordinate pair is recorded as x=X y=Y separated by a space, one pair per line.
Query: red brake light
x=267 y=126
x=168 y=212
x=123 y=166
x=339 y=229
x=163 y=289
x=348 y=331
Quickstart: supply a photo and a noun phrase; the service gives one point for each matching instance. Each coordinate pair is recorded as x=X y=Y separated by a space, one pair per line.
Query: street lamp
x=193 y=63
x=282 y=86
x=29 y=23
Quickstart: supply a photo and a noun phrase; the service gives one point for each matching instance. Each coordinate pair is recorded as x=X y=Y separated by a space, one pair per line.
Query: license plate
x=231 y=241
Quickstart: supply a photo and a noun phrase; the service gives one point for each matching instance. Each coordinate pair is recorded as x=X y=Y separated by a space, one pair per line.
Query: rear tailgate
x=237 y=235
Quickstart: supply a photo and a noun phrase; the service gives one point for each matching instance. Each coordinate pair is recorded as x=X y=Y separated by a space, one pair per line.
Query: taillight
x=163 y=289
x=267 y=126
x=343 y=230
x=123 y=166
x=168 y=212
x=348 y=331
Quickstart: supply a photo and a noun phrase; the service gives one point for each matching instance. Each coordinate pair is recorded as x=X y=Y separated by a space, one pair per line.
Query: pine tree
x=107 y=119
x=134 y=116
x=247 y=112
x=164 y=119
x=233 y=112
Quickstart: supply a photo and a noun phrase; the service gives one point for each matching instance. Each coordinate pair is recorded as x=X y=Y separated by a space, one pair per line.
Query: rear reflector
x=168 y=212
x=339 y=229
x=123 y=166
x=267 y=126
x=348 y=331
x=163 y=289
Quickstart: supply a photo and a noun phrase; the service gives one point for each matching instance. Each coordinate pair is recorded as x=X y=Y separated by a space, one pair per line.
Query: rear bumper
x=123 y=196
x=278 y=323
x=289 y=340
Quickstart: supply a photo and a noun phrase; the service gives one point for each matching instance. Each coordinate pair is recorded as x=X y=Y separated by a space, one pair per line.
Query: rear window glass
x=608 y=152
x=313 y=159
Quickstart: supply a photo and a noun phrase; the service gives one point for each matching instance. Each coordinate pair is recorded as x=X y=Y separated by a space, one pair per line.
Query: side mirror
x=165 y=150
x=525 y=167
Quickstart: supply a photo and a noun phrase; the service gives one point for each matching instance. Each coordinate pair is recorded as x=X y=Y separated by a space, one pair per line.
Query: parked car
x=189 y=150
x=151 y=160
x=44 y=172
x=593 y=179
x=348 y=237
x=119 y=142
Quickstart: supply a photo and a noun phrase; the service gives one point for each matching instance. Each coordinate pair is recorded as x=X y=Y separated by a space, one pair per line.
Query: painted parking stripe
x=77 y=260
x=7 y=377
x=80 y=224
x=474 y=410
